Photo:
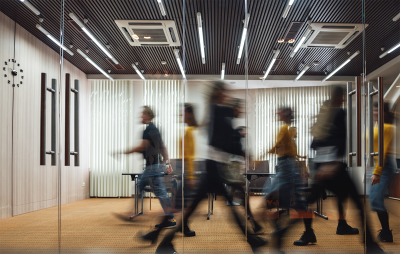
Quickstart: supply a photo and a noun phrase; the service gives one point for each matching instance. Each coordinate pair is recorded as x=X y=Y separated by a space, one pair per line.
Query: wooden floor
x=89 y=226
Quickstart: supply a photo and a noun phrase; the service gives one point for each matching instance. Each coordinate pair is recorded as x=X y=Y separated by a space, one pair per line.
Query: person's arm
x=138 y=149
x=164 y=153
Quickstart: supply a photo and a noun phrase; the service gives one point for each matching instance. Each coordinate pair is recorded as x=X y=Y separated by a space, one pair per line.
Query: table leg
x=319 y=209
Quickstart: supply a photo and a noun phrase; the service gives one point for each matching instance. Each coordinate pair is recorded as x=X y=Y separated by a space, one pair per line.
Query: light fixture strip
x=302 y=72
x=95 y=65
x=201 y=38
x=77 y=21
x=162 y=9
x=341 y=66
x=397 y=17
x=390 y=50
x=301 y=41
x=178 y=59
x=287 y=8
x=31 y=7
x=41 y=29
x=223 y=71
x=138 y=72
x=271 y=64
x=243 y=39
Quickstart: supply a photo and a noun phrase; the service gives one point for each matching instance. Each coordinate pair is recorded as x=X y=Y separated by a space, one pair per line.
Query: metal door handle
x=68 y=91
x=351 y=92
x=371 y=93
x=43 y=151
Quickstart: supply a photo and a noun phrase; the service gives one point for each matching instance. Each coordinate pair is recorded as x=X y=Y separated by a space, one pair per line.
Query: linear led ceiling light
x=287 y=8
x=397 y=17
x=309 y=29
x=302 y=72
x=223 y=71
x=178 y=59
x=54 y=39
x=95 y=65
x=138 y=72
x=162 y=9
x=77 y=21
x=246 y=22
x=31 y=7
x=390 y=50
x=341 y=66
x=271 y=64
x=201 y=38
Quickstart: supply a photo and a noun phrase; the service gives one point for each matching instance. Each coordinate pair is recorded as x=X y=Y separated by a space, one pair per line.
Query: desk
x=135 y=178
x=258 y=175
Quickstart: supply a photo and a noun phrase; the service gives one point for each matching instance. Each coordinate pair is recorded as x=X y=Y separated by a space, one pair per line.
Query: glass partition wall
x=381 y=83
x=199 y=126
x=30 y=106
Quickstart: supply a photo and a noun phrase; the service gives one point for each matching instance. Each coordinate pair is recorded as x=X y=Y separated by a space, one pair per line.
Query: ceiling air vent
x=154 y=33
x=293 y=30
x=331 y=35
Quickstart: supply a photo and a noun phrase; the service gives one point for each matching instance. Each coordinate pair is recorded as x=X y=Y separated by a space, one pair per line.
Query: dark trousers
x=343 y=186
x=212 y=182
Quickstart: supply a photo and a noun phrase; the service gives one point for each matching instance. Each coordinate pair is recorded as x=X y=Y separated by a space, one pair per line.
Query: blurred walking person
x=382 y=175
x=220 y=136
x=330 y=144
x=157 y=165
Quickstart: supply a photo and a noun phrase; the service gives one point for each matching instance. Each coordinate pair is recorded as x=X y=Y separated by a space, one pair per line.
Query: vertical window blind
x=305 y=101
x=110 y=131
x=115 y=127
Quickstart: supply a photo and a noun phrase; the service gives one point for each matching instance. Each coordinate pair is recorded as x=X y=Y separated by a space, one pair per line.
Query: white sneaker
x=233 y=203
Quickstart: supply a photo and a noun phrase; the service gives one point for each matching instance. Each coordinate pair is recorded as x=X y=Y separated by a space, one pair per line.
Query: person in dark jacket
x=220 y=137
x=330 y=144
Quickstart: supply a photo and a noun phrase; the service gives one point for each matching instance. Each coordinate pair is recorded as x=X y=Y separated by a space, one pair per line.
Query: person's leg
x=161 y=193
x=343 y=228
x=377 y=197
x=165 y=244
x=254 y=241
x=348 y=186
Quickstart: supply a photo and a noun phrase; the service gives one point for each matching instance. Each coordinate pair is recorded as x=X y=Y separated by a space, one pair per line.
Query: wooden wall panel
x=6 y=42
x=32 y=186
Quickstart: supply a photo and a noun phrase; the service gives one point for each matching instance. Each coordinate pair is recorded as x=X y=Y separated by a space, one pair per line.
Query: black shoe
x=166 y=248
x=306 y=238
x=187 y=232
x=168 y=224
x=152 y=236
x=385 y=236
x=255 y=242
x=374 y=248
x=346 y=230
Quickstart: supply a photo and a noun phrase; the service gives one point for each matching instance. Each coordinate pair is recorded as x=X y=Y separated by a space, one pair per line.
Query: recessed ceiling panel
x=149 y=32
x=331 y=35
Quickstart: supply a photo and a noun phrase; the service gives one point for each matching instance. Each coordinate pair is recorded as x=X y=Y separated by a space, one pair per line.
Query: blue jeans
x=286 y=183
x=153 y=176
x=377 y=192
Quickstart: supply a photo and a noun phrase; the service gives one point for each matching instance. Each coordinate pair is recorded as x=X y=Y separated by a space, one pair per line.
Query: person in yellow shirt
x=287 y=178
x=189 y=145
x=187 y=148
x=382 y=175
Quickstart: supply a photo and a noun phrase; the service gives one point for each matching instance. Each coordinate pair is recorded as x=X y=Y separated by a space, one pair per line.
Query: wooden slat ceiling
x=222 y=22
